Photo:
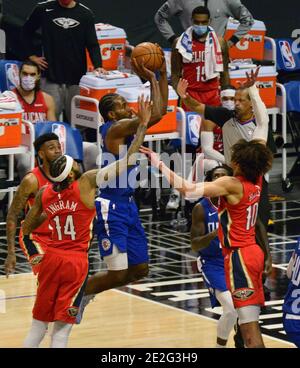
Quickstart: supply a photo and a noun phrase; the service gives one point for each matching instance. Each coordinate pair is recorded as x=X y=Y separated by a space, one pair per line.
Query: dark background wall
x=136 y=17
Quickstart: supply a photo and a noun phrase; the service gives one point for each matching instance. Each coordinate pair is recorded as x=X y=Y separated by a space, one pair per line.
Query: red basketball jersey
x=218 y=139
x=42 y=180
x=194 y=71
x=71 y=221
x=237 y=222
x=37 y=110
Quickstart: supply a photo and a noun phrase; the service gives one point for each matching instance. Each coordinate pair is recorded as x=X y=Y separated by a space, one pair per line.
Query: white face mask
x=229 y=104
x=28 y=83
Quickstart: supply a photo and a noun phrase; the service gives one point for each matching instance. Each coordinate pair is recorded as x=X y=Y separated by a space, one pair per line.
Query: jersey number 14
x=68 y=227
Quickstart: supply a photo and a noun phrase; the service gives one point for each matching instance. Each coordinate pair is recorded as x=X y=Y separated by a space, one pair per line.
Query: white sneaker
x=173 y=203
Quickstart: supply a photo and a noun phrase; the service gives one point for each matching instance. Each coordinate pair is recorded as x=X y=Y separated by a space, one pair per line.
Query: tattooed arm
x=35 y=217
x=28 y=187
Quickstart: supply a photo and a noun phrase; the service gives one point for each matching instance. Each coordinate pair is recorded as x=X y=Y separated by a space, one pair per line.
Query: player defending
x=70 y=208
x=244 y=260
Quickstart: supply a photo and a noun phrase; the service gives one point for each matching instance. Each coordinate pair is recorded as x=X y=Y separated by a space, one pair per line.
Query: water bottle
x=121 y=62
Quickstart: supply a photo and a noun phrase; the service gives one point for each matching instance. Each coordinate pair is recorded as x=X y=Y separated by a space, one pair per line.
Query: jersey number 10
x=69 y=229
x=251 y=215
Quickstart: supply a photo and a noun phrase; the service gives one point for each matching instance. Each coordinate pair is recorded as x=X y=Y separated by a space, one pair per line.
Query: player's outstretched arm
x=221 y=187
x=259 y=108
x=97 y=177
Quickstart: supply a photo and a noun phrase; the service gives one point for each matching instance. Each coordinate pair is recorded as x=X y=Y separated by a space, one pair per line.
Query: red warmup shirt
x=237 y=222
x=37 y=110
x=71 y=221
x=194 y=71
x=42 y=180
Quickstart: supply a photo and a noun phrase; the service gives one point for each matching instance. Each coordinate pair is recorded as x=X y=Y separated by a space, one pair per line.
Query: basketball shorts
x=34 y=247
x=291 y=324
x=118 y=224
x=214 y=278
x=243 y=271
x=211 y=98
x=61 y=282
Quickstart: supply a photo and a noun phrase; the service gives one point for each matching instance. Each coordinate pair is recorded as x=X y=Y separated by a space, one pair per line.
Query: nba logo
x=12 y=76
x=286 y=54
x=194 y=123
x=60 y=131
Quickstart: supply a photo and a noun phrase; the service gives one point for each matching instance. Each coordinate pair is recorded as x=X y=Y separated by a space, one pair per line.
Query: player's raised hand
x=141 y=70
x=182 y=87
x=251 y=78
x=144 y=110
x=152 y=156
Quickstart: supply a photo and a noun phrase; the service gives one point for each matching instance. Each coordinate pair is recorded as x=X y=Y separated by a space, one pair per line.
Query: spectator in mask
x=220 y=11
x=37 y=105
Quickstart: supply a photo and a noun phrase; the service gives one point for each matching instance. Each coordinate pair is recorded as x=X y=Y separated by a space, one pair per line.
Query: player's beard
x=77 y=173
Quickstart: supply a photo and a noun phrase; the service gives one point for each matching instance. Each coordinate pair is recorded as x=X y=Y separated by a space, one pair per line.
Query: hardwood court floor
x=115 y=319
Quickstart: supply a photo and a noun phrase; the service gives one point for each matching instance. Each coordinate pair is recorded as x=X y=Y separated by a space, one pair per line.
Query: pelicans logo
x=66 y=23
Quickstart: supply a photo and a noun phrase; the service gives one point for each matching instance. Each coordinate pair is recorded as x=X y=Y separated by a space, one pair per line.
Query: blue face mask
x=200 y=30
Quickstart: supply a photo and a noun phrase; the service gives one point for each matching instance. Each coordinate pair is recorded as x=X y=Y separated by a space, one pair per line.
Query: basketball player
x=291 y=311
x=244 y=259
x=204 y=236
x=121 y=237
x=202 y=64
x=47 y=148
x=70 y=208
x=249 y=115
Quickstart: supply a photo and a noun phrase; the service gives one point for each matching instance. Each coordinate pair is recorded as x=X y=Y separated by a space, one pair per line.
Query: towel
x=213 y=53
x=8 y=101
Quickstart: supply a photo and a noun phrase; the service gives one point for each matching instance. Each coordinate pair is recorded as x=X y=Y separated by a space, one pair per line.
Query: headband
x=66 y=171
x=228 y=93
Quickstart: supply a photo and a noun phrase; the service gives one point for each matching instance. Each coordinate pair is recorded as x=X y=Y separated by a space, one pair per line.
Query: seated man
x=36 y=104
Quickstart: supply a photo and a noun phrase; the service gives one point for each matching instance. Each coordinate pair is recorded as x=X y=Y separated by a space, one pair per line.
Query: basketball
x=148 y=53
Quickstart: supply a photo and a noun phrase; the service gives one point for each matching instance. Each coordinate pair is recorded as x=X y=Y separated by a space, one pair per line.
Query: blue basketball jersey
x=123 y=185
x=213 y=252
x=291 y=304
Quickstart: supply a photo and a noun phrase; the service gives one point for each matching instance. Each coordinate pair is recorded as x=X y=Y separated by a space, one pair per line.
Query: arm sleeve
x=167 y=10
x=218 y=115
x=207 y=145
x=32 y=23
x=261 y=115
x=92 y=44
x=241 y=13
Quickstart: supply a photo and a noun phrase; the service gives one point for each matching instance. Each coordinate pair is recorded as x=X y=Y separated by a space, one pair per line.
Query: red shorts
x=34 y=248
x=243 y=271
x=61 y=283
x=211 y=98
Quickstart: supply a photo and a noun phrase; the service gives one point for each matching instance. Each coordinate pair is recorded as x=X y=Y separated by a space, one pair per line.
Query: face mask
x=228 y=104
x=200 y=30
x=65 y=2
x=28 y=83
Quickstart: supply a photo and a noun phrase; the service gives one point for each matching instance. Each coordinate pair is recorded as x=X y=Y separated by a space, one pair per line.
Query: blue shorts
x=292 y=329
x=214 y=279
x=118 y=224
